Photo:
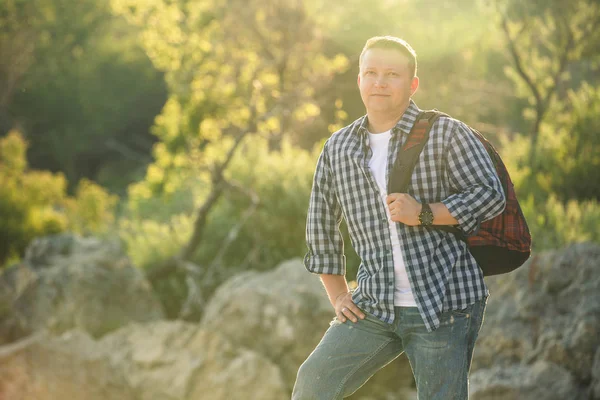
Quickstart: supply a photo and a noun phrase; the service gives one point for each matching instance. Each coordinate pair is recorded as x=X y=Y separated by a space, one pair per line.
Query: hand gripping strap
x=408 y=156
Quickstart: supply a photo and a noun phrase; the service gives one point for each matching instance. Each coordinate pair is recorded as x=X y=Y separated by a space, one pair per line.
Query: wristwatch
x=426 y=215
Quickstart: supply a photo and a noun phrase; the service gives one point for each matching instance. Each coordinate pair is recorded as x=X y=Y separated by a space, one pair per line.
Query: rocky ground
x=78 y=321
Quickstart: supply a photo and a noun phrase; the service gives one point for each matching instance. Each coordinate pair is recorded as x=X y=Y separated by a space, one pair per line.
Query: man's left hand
x=404 y=208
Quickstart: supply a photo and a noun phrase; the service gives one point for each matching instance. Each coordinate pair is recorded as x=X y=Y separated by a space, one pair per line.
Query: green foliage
x=228 y=81
x=554 y=224
x=34 y=203
x=225 y=76
x=556 y=43
x=573 y=158
x=555 y=65
x=74 y=79
x=91 y=209
x=157 y=227
x=148 y=240
x=275 y=231
x=568 y=151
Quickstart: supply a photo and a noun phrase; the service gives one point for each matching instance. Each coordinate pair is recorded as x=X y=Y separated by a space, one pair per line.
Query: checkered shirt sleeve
x=477 y=191
x=324 y=241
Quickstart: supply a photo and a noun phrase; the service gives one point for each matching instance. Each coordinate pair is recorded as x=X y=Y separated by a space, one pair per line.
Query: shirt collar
x=405 y=123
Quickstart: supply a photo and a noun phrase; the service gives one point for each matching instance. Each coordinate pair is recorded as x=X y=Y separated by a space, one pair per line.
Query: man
x=419 y=289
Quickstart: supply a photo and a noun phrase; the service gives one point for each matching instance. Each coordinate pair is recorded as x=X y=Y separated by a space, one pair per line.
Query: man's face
x=385 y=82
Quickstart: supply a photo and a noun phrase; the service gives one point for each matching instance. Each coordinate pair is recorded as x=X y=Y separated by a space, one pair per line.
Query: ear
x=414 y=85
x=358 y=80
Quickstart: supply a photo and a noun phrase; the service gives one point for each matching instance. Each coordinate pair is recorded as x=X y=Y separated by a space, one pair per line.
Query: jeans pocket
x=440 y=338
x=464 y=313
x=473 y=310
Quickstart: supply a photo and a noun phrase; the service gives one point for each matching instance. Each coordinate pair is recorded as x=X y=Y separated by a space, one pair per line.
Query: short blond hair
x=394 y=43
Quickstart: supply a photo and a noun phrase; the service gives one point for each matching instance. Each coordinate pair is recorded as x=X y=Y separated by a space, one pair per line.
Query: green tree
x=74 y=80
x=554 y=47
x=236 y=71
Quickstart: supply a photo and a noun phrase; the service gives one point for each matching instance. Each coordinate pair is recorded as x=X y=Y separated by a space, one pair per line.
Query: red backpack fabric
x=502 y=243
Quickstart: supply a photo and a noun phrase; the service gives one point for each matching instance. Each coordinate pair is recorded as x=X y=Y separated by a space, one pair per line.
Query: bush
x=554 y=224
x=158 y=225
x=35 y=203
x=553 y=219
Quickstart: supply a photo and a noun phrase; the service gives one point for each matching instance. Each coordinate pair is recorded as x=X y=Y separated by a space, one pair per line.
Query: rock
x=142 y=361
x=282 y=314
x=541 y=380
x=177 y=360
x=546 y=311
x=502 y=345
x=595 y=387
x=68 y=282
x=43 y=367
x=539 y=338
x=574 y=349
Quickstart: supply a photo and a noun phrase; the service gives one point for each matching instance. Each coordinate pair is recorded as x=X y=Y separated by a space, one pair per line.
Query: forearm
x=441 y=215
x=406 y=209
x=335 y=285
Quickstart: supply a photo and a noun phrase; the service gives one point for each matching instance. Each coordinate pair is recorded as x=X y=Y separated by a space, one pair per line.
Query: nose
x=381 y=81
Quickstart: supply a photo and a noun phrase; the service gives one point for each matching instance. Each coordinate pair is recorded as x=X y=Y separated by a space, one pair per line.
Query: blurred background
x=189 y=129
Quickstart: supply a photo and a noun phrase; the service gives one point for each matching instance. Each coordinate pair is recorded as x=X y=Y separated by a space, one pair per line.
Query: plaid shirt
x=453 y=168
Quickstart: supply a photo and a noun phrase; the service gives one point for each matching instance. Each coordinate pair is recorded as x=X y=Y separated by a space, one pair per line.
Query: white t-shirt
x=379 y=143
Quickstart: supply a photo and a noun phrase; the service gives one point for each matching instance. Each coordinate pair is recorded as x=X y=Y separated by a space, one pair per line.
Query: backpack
x=502 y=243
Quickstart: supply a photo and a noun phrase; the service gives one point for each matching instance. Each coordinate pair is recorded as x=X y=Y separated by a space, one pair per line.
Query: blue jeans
x=350 y=353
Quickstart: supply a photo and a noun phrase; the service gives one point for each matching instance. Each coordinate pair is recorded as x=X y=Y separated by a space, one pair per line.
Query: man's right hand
x=346 y=309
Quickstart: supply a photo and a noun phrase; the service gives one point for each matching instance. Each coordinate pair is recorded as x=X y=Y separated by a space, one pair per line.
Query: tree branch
x=233 y=233
x=551 y=90
x=219 y=184
x=521 y=71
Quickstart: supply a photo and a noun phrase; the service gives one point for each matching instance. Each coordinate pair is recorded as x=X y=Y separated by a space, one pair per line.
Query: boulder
x=67 y=282
x=281 y=313
x=179 y=361
x=142 y=361
x=595 y=388
x=44 y=367
x=541 y=380
x=547 y=311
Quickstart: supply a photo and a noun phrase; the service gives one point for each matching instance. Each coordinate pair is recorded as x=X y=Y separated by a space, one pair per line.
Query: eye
x=392 y=73
x=369 y=72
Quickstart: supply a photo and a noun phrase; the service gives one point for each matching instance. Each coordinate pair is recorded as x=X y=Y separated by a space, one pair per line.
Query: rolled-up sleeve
x=325 y=253
x=478 y=194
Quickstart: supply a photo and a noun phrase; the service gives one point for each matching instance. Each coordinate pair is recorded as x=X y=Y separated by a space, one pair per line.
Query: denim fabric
x=350 y=353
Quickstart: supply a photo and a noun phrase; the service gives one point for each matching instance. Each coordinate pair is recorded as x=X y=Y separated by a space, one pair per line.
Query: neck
x=379 y=124
x=383 y=122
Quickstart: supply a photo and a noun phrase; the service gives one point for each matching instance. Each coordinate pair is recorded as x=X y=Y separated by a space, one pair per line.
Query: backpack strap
x=406 y=160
